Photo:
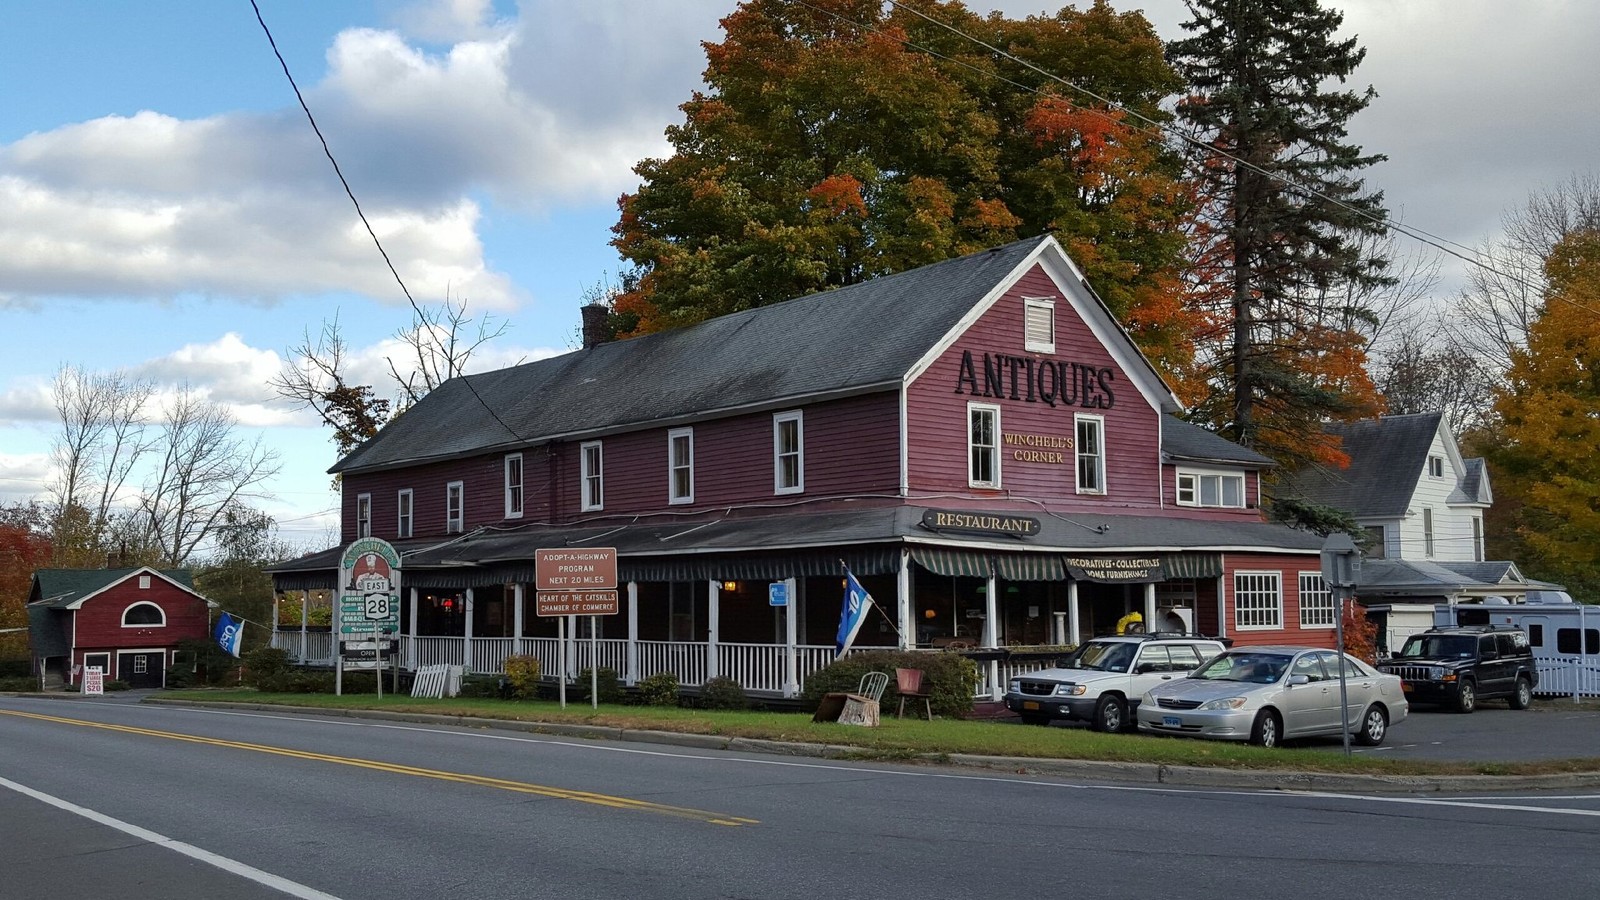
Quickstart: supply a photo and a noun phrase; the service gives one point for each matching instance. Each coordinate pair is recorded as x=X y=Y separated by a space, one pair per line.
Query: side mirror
x=1295 y=680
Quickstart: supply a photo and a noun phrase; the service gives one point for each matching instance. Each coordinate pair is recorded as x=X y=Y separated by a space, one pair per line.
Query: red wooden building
x=128 y=622
x=978 y=440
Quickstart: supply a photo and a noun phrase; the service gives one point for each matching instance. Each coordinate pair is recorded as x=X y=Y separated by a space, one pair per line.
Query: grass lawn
x=903 y=738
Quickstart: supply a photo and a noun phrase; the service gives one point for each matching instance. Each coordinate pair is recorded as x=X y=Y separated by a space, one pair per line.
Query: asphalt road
x=358 y=809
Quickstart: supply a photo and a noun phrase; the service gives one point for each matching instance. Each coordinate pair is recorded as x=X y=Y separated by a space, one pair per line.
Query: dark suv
x=1459 y=666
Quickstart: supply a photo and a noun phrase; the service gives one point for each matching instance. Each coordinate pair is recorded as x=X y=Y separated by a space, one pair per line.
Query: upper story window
x=514 y=486
x=455 y=502
x=1427 y=531
x=1257 y=600
x=680 y=465
x=983 y=445
x=1039 y=328
x=1477 y=539
x=1091 y=453
x=363 y=515
x=788 y=453
x=591 y=460
x=1377 y=537
x=1211 y=489
x=143 y=613
x=402 y=523
x=1436 y=466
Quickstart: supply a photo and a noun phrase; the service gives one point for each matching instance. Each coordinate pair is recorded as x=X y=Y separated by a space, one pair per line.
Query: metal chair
x=908 y=684
x=872 y=685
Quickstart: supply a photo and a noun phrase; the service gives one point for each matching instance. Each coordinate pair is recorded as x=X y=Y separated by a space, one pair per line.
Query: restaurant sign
x=980 y=522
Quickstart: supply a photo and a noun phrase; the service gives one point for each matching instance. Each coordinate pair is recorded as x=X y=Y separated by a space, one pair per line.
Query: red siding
x=937 y=450
x=98 y=623
x=1288 y=567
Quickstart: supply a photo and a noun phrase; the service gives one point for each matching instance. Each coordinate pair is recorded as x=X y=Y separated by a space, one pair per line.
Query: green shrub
x=115 y=685
x=263 y=664
x=950 y=679
x=660 y=689
x=180 y=675
x=15 y=668
x=14 y=683
x=723 y=692
x=606 y=680
x=486 y=686
x=523 y=673
x=207 y=663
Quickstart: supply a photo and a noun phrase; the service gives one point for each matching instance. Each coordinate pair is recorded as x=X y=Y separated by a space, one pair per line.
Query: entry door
x=142 y=669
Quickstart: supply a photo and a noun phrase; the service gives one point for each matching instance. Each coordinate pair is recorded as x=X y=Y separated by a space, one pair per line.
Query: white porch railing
x=306 y=648
x=1569 y=676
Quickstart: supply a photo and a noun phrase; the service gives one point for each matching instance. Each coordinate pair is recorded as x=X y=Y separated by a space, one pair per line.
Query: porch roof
x=793 y=545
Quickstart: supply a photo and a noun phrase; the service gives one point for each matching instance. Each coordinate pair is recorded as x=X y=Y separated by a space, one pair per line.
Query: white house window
x=454 y=506
x=1210 y=489
x=144 y=582
x=363 y=515
x=1039 y=328
x=143 y=614
x=1257 y=600
x=983 y=445
x=1317 y=608
x=1477 y=539
x=592 y=475
x=1436 y=466
x=1427 y=531
x=680 y=465
x=514 y=486
x=788 y=454
x=1091 y=452
x=402 y=525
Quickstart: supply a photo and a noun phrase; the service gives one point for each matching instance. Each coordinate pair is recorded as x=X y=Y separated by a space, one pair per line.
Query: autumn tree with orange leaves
x=839 y=140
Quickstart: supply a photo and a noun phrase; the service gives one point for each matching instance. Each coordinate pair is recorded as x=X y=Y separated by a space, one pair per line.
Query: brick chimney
x=595 y=331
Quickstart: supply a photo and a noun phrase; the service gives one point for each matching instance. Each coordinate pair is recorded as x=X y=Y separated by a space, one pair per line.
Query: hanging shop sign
x=1117 y=569
x=979 y=522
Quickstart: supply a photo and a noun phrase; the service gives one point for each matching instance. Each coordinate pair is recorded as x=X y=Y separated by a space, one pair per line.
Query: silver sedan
x=1267 y=694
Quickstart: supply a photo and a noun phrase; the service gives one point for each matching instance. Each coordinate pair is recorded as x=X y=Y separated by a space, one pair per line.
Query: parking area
x=1550 y=729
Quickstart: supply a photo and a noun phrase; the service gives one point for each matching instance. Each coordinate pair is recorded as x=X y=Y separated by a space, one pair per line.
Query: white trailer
x=1565 y=637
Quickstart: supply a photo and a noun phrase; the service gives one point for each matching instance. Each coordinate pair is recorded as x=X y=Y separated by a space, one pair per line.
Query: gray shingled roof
x=1186 y=441
x=1387 y=456
x=849 y=339
x=1470 y=490
x=58 y=588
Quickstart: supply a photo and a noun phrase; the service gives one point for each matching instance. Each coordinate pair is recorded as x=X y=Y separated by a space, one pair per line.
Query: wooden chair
x=908 y=684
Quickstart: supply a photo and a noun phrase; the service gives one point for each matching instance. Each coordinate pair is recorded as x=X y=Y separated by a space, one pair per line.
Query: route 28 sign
x=369 y=588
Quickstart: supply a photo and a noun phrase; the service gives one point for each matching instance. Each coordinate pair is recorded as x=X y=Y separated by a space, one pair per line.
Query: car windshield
x=1440 y=646
x=1255 y=668
x=1105 y=656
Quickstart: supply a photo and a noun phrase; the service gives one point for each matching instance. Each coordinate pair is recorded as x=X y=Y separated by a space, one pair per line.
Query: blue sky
x=165 y=209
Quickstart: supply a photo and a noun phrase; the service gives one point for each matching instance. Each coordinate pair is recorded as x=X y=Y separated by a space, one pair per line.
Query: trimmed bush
x=115 y=685
x=723 y=692
x=263 y=664
x=660 y=689
x=950 y=679
x=607 y=681
x=485 y=686
x=15 y=668
x=13 y=683
x=523 y=673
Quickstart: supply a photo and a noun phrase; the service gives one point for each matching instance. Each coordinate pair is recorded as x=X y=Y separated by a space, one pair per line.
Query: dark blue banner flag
x=228 y=632
x=856 y=604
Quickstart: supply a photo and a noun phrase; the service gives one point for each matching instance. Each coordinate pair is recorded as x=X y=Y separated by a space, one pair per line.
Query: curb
x=1155 y=774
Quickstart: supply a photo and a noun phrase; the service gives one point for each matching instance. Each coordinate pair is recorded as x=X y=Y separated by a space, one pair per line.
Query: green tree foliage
x=842 y=139
x=1278 y=258
x=234 y=577
x=1549 y=409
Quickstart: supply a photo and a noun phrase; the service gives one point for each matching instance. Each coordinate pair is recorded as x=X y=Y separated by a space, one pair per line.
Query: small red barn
x=126 y=621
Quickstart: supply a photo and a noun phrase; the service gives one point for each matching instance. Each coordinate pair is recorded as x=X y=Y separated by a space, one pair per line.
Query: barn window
x=143 y=614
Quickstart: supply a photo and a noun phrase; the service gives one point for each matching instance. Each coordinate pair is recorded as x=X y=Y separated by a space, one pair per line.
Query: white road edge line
x=267 y=879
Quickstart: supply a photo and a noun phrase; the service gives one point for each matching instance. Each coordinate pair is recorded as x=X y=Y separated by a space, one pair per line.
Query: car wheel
x=1374 y=725
x=1110 y=715
x=1522 y=697
x=1466 y=697
x=1031 y=719
x=1266 y=730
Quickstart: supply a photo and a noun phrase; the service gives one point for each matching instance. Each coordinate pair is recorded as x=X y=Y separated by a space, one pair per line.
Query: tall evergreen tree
x=1278 y=260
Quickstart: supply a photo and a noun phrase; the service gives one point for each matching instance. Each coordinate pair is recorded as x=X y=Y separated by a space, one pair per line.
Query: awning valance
x=952 y=563
x=761 y=567
x=1030 y=567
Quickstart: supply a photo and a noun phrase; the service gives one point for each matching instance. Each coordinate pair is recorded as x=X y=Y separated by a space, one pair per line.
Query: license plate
x=1030 y=704
x=1172 y=721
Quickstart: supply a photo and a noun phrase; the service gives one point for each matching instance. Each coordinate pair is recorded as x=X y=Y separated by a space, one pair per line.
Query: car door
x=1358 y=687
x=1153 y=667
x=1491 y=668
x=1309 y=708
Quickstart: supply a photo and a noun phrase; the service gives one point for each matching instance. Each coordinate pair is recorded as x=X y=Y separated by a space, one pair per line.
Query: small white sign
x=94 y=680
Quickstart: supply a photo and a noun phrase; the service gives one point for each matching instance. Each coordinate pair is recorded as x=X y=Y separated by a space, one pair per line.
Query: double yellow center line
x=520 y=787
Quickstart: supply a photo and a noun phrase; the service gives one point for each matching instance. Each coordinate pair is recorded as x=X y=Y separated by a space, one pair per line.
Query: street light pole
x=1340 y=563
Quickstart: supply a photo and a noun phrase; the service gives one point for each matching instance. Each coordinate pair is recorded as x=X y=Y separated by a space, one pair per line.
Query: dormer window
x=1436 y=466
x=1039 y=324
x=1221 y=489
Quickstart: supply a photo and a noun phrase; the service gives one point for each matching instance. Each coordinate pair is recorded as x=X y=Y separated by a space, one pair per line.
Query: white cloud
x=23 y=476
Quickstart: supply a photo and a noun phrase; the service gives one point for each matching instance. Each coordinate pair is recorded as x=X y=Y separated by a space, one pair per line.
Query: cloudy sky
x=165 y=208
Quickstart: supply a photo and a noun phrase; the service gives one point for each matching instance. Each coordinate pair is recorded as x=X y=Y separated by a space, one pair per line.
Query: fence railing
x=1568 y=676
x=306 y=648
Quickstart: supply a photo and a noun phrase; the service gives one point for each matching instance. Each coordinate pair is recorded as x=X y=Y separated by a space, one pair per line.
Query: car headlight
x=1436 y=673
x=1016 y=686
x=1070 y=690
x=1224 y=703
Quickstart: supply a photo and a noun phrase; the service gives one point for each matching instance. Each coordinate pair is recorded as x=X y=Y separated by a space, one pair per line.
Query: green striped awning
x=1192 y=565
x=1030 y=567
x=952 y=563
x=759 y=567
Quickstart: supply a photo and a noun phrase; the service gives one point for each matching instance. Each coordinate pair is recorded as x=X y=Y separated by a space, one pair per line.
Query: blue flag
x=228 y=632
x=856 y=603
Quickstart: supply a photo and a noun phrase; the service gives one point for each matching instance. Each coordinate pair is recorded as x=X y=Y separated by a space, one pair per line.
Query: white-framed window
x=514 y=486
x=1211 y=489
x=1477 y=539
x=402 y=518
x=101 y=661
x=1091 y=453
x=680 y=465
x=1257 y=600
x=1436 y=466
x=788 y=453
x=591 y=464
x=144 y=614
x=983 y=445
x=1039 y=324
x=1427 y=531
x=1317 y=607
x=455 y=503
x=363 y=515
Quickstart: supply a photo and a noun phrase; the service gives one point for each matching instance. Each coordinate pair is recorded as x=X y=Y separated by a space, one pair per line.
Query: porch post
x=466 y=645
x=791 y=660
x=413 y=635
x=1150 y=607
x=517 y=620
x=1222 y=605
x=632 y=675
x=305 y=617
x=714 y=615
x=1074 y=630
x=908 y=613
x=991 y=631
